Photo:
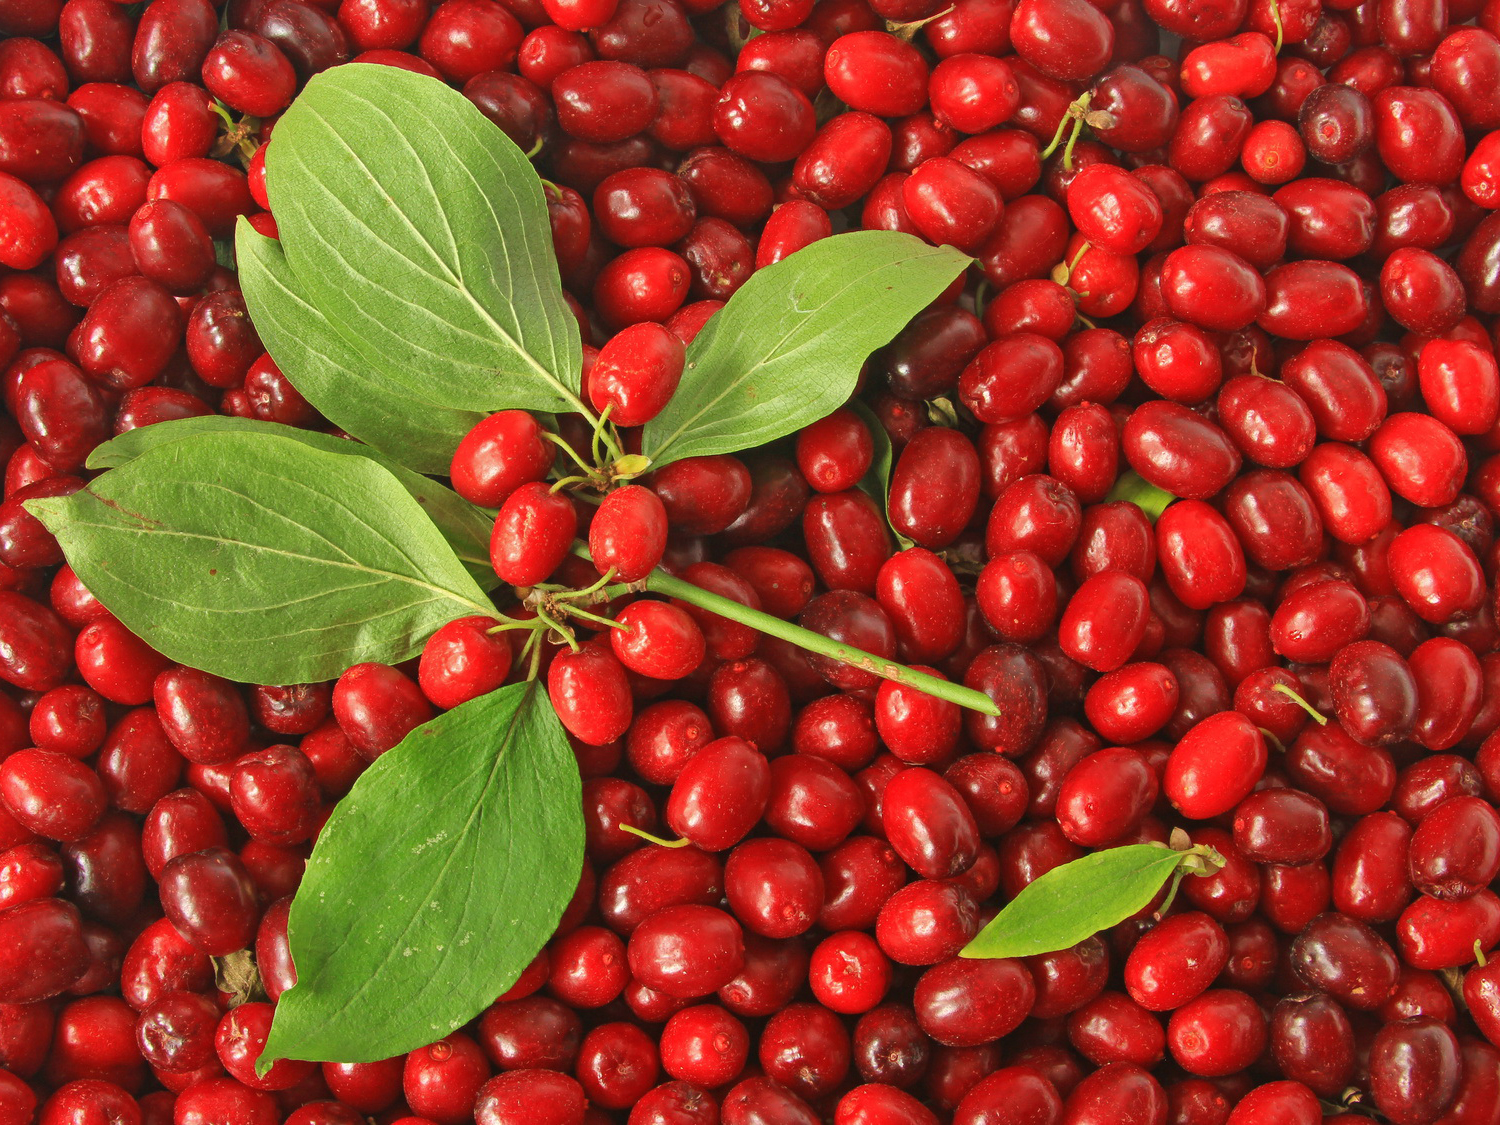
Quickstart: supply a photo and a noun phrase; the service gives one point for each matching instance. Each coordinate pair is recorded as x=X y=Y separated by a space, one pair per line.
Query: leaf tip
x=47 y=509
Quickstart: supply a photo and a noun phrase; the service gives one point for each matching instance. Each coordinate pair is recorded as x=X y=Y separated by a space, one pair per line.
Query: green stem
x=585 y=615
x=1063 y=124
x=657 y=840
x=587 y=591
x=561 y=442
x=660 y=582
x=1166 y=904
x=1318 y=716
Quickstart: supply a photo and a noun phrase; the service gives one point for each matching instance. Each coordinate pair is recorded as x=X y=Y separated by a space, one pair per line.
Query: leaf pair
x=414 y=287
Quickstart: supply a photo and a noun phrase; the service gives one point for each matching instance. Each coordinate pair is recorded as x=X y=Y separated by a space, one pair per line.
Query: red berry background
x=1236 y=257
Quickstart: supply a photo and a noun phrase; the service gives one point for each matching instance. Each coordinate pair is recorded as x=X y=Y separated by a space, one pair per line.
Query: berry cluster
x=1195 y=476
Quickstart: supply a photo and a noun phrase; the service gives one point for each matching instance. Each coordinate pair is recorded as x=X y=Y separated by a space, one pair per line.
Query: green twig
x=660 y=582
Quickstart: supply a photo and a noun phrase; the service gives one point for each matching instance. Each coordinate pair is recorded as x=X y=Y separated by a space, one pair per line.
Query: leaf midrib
x=454 y=280
x=441 y=591
x=773 y=353
x=1093 y=893
x=478 y=810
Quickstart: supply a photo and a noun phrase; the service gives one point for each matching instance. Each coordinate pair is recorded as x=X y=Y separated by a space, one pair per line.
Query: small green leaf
x=1076 y=901
x=1140 y=492
x=331 y=375
x=466 y=527
x=419 y=230
x=787 y=348
x=876 y=483
x=472 y=832
x=261 y=559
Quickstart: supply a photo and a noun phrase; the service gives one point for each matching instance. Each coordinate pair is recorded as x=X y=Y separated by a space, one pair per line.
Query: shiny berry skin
x=950 y=203
x=45 y=950
x=1104 y=621
x=1069 y=41
x=934 y=488
x=966 y=1003
x=1436 y=573
x=543 y=1097
x=1454 y=847
x=532 y=534
x=1011 y=377
x=441 y=1081
x=1178 y=450
x=1176 y=961
x=636 y=373
x=1218 y=1032
x=719 y=794
x=51 y=793
x=590 y=693
x=463 y=660
x=376 y=706
x=501 y=453
x=209 y=898
x=628 y=534
x=249 y=74
x=661 y=640
x=30 y=230
x=203 y=716
x=1415 y=1069
x=686 y=951
x=1118 y=1092
x=926 y=922
x=764 y=117
x=929 y=824
x=1460 y=385
x=239 y=1039
x=876 y=73
x=1114 y=209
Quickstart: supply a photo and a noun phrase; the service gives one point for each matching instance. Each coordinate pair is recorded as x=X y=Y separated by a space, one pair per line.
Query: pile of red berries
x=1261 y=276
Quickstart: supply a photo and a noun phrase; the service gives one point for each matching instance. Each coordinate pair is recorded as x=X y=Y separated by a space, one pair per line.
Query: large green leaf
x=420 y=231
x=1076 y=901
x=471 y=832
x=262 y=559
x=787 y=348
x=331 y=375
x=466 y=527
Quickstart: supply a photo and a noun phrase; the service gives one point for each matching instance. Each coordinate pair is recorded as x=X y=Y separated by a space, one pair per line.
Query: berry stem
x=657 y=840
x=1318 y=716
x=660 y=582
x=602 y=432
x=561 y=443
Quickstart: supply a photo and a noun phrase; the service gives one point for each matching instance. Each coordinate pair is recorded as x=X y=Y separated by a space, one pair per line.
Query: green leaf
x=465 y=526
x=471 y=830
x=332 y=376
x=420 y=231
x=1142 y=493
x=787 y=348
x=1076 y=901
x=261 y=559
x=876 y=483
